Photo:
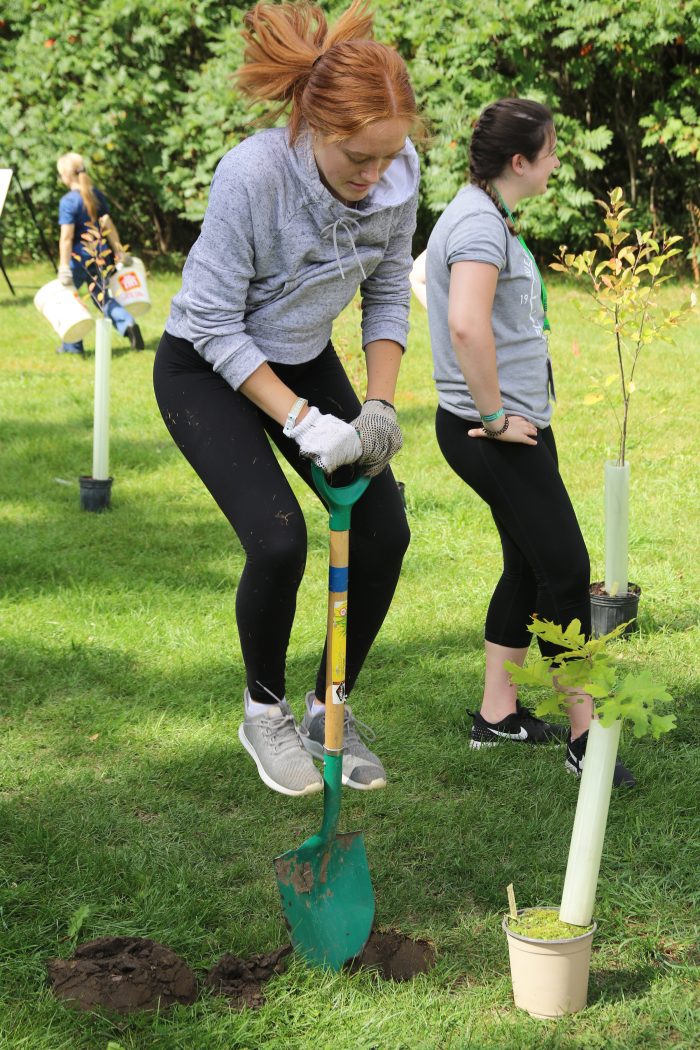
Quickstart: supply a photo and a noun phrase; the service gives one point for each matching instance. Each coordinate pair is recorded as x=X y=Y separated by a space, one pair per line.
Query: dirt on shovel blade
x=242 y=980
x=395 y=956
x=123 y=974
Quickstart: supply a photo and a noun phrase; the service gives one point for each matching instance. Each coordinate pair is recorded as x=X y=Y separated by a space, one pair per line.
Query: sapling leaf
x=549 y=705
x=639 y=718
x=661 y=724
x=571 y=638
x=642 y=689
x=602 y=641
x=587 y=680
x=537 y=674
x=608 y=711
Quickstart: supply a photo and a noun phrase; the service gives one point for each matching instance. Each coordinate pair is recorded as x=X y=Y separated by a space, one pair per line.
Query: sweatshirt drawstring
x=346 y=224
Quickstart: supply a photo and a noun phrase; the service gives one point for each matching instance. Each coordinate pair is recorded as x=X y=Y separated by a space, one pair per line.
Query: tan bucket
x=65 y=311
x=550 y=978
x=129 y=287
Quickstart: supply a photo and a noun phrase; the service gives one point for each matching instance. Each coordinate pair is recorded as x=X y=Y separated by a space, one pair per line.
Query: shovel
x=325 y=885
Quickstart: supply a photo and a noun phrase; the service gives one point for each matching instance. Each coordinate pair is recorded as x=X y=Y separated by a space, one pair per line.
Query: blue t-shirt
x=72 y=210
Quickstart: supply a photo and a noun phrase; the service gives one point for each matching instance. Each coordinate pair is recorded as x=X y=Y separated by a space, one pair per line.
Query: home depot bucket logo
x=129 y=282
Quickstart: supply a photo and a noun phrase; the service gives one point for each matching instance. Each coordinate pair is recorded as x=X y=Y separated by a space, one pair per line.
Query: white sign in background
x=5 y=177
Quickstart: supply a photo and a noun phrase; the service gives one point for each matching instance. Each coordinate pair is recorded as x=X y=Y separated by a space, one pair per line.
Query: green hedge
x=145 y=93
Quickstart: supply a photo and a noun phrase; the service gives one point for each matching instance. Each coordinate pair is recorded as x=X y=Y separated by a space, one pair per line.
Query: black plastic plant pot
x=95 y=493
x=609 y=611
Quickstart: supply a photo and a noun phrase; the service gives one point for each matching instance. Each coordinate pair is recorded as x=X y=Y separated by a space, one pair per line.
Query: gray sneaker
x=361 y=768
x=272 y=741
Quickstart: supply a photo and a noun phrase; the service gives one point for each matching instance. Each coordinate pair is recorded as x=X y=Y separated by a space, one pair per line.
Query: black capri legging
x=545 y=562
x=225 y=438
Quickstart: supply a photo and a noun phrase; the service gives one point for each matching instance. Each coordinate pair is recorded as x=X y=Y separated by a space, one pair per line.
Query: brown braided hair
x=490 y=192
x=506 y=127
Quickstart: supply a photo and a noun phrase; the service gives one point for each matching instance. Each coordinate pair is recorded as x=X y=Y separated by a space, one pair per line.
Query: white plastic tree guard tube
x=591 y=818
x=617 y=488
x=100 y=433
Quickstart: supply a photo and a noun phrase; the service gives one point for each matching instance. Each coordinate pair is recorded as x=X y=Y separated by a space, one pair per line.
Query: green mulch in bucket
x=544 y=924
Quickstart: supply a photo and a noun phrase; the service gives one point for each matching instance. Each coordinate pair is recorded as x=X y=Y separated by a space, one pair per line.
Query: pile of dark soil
x=394 y=956
x=123 y=974
x=242 y=980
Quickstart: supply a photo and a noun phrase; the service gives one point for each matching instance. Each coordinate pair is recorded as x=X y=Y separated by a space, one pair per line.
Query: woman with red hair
x=298 y=219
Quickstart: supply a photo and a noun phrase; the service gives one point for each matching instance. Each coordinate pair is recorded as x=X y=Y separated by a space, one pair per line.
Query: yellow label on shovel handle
x=338 y=647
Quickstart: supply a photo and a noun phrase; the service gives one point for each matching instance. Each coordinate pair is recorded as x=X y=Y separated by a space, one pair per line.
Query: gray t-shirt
x=471 y=229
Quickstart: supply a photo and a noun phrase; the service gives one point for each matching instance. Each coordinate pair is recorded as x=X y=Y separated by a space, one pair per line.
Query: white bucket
x=129 y=287
x=64 y=310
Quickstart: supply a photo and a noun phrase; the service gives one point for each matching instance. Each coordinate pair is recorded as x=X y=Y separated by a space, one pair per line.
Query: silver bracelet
x=292 y=417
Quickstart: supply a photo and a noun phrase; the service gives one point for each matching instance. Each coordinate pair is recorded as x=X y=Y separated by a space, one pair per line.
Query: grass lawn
x=123 y=786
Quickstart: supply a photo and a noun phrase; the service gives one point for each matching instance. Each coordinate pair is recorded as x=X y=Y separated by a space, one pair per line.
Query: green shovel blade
x=327 y=898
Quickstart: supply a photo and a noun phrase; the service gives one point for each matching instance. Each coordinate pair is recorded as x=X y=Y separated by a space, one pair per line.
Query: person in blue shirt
x=85 y=210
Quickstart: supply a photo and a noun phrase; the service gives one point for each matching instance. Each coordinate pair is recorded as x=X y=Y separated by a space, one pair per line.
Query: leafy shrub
x=145 y=93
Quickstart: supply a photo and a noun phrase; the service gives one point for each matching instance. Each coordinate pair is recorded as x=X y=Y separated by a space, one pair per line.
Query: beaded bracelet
x=497 y=433
x=493 y=416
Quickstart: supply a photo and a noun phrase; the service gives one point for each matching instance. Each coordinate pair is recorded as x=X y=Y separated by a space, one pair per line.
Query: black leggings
x=545 y=562
x=225 y=439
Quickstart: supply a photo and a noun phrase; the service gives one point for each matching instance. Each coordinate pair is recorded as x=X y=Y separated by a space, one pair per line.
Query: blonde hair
x=72 y=167
x=337 y=80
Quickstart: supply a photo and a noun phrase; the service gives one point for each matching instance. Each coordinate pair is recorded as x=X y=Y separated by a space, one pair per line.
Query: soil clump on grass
x=394 y=956
x=123 y=974
x=242 y=980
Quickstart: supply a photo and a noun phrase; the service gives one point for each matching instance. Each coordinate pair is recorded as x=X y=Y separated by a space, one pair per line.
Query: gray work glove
x=326 y=440
x=65 y=276
x=380 y=435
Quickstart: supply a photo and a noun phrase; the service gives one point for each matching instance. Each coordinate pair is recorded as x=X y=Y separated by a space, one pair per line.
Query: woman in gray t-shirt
x=488 y=323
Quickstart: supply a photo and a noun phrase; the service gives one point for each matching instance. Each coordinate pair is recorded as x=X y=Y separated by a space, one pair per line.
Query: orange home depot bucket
x=129 y=287
x=65 y=311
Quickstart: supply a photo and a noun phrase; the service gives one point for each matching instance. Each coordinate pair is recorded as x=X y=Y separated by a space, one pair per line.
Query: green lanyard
x=546 y=326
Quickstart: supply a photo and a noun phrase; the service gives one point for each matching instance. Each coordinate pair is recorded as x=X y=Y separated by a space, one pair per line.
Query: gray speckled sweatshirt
x=264 y=280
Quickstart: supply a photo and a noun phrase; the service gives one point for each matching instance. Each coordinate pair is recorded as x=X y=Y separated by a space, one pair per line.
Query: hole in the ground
x=394 y=956
x=123 y=974
x=242 y=980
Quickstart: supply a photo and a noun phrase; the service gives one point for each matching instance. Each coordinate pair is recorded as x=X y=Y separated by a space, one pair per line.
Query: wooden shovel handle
x=336 y=640
x=340 y=501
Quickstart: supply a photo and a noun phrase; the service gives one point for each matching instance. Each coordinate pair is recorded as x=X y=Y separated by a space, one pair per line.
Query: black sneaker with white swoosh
x=576 y=753
x=521 y=726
